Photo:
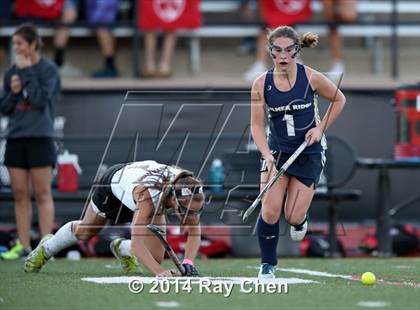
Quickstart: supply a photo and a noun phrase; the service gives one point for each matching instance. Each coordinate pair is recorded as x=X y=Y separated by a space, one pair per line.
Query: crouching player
x=140 y=193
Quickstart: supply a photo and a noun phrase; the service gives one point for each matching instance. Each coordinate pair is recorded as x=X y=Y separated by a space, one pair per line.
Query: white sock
x=125 y=248
x=62 y=239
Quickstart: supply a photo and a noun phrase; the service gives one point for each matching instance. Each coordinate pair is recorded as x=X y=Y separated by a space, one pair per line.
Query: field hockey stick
x=159 y=233
x=278 y=174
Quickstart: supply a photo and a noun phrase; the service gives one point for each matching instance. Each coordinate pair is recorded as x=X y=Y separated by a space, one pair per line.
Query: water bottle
x=217 y=176
x=59 y=123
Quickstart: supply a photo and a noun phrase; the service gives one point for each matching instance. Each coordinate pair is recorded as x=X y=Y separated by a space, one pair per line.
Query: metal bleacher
x=378 y=19
x=371 y=24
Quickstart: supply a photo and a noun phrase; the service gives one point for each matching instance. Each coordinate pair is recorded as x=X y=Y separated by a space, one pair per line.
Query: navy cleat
x=267 y=271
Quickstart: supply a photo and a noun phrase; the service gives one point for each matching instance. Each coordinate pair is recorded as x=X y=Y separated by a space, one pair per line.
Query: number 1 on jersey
x=290 y=124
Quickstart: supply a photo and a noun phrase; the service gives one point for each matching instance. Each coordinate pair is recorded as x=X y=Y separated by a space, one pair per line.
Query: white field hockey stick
x=159 y=233
x=278 y=174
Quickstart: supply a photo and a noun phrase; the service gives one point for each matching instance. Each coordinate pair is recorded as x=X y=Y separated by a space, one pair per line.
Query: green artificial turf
x=59 y=286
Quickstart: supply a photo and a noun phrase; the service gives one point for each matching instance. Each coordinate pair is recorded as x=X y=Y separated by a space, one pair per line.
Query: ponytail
x=309 y=39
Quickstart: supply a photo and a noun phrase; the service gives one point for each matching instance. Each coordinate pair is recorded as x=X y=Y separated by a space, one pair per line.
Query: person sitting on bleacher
x=338 y=11
x=5 y=15
x=68 y=16
x=166 y=17
x=102 y=14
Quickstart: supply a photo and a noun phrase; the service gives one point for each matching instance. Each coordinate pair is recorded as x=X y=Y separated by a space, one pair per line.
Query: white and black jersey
x=146 y=173
x=113 y=196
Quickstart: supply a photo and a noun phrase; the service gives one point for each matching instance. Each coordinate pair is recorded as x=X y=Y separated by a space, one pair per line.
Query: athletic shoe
x=255 y=70
x=105 y=73
x=336 y=71
x=16 y=252
x=338 y=67
x=267 y=271
x=128 y=263
x=69 y=71
x=37 y=258
x=297 y=234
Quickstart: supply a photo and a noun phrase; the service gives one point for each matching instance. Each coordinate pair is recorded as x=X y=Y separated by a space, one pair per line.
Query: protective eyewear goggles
x=292 y=49
x=187 y=192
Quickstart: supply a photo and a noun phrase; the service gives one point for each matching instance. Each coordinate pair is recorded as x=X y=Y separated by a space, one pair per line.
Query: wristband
x=188 y=262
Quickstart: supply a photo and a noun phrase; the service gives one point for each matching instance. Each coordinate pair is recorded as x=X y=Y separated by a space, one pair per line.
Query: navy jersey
x=291 y=114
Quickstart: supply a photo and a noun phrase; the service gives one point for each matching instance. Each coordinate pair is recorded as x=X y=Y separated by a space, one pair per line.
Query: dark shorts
x=108 y=205
x=306 y=168
x=30 y=153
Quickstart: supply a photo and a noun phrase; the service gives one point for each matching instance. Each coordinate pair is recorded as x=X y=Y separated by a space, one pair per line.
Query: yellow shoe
x=37 y=258
x=128 y=263
x=16 y=252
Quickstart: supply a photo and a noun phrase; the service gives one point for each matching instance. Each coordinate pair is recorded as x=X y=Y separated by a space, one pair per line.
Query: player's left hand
x=190 y=271
x=314 y=135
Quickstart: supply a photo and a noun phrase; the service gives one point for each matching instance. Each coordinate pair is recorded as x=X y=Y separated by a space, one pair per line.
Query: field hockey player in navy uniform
x=288 y=93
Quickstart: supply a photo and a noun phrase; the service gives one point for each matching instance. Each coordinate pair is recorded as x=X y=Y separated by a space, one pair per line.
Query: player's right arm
x=258 y=121
x=139 y=232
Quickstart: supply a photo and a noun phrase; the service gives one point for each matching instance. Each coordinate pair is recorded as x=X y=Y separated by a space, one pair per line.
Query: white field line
x=316 y=273
x=194 y=280
x=373 y=304
x=346 y=277
x=109 y=266
x=167 y=304
x=309 y=272
x=403 y=267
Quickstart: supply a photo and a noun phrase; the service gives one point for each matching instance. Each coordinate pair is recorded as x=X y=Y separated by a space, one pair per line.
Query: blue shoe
x=105 y=73
x=267 y=271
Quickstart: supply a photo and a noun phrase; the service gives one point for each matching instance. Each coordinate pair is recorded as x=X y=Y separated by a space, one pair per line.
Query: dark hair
x=30 y=34
x=308 y=39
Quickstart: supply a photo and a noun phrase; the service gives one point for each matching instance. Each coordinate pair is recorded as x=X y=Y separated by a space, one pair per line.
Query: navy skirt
x=306 y=168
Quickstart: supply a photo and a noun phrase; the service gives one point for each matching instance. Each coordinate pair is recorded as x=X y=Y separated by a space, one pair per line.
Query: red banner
x=44 y=9
x=285 y=12
x=169 y=15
